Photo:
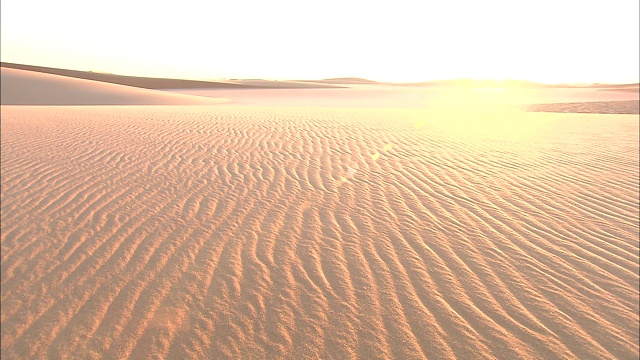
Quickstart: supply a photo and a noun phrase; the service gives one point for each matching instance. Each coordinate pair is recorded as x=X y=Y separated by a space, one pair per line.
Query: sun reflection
x=474 y=115
x=508 y=124
x=481 y=109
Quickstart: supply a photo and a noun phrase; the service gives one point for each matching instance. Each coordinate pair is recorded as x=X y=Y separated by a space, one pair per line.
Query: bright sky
x=541 y=40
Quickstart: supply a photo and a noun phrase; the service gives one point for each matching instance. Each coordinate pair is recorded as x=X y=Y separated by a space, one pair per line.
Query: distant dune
x=595 y=107
x=274 y=84
x=374 y=96
x=22 y=87
x=617 y=86
x=162 y=83
x=631 y=88
x=344 y=81
x=141 y=82
x=474 y=83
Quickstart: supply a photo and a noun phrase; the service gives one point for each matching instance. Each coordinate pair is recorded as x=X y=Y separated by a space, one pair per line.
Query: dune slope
x=265 y=232
x=22 y=87
x=164 y=83
x=135 y=81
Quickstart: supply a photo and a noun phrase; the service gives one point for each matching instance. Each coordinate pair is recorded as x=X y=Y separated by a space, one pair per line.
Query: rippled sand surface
x=595 y=107
x=272 y=232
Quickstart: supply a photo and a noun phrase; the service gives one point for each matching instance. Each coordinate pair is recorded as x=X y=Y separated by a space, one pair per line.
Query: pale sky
x=548 y=41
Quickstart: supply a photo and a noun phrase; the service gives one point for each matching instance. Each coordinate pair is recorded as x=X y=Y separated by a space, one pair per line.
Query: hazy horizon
x=374 y=81
x=546 y=42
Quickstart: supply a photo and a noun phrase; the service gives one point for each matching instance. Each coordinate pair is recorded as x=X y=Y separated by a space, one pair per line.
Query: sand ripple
x=595 y=107
x=234 y=232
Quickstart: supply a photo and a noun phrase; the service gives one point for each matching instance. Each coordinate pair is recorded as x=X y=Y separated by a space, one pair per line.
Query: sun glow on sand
x=365 y=221
x=546 y=41
x=479 y=112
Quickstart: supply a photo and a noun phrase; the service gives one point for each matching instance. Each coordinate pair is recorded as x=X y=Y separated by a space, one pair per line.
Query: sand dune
x=595 y=107
x=164 y=83
x=135 y=81
x=345 y=81
x=267 y=232
x=275 y=84
x=22 y=87
x=374 y=96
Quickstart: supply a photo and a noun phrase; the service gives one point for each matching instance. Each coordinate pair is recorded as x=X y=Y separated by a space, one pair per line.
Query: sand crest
x=164 y=83
x=22 y=87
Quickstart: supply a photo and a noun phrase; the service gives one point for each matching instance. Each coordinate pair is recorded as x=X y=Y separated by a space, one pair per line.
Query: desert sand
x=237 y=231
x=595 y=107
x=582 y=100
x=164 y=83
x=22 y=87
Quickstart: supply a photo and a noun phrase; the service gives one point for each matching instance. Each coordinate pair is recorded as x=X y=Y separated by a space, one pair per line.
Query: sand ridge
x=577 y=100
x=164 y=83
x=22 y=87
x=595 y=107
x=253 y=232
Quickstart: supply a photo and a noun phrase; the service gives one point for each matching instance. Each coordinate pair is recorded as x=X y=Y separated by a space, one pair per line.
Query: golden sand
x=234 y=231
x=252 y=232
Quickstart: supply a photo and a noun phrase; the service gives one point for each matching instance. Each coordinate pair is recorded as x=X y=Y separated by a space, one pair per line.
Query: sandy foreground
x=236 y=231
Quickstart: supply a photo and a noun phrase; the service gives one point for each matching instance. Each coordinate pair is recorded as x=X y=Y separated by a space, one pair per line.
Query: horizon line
x=356 y=79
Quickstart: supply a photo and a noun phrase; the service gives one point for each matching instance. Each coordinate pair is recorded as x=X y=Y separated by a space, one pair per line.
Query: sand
x=164 y=83
x=234 y=231
x=22 y=87
x=583 y=100
x=595 y=107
